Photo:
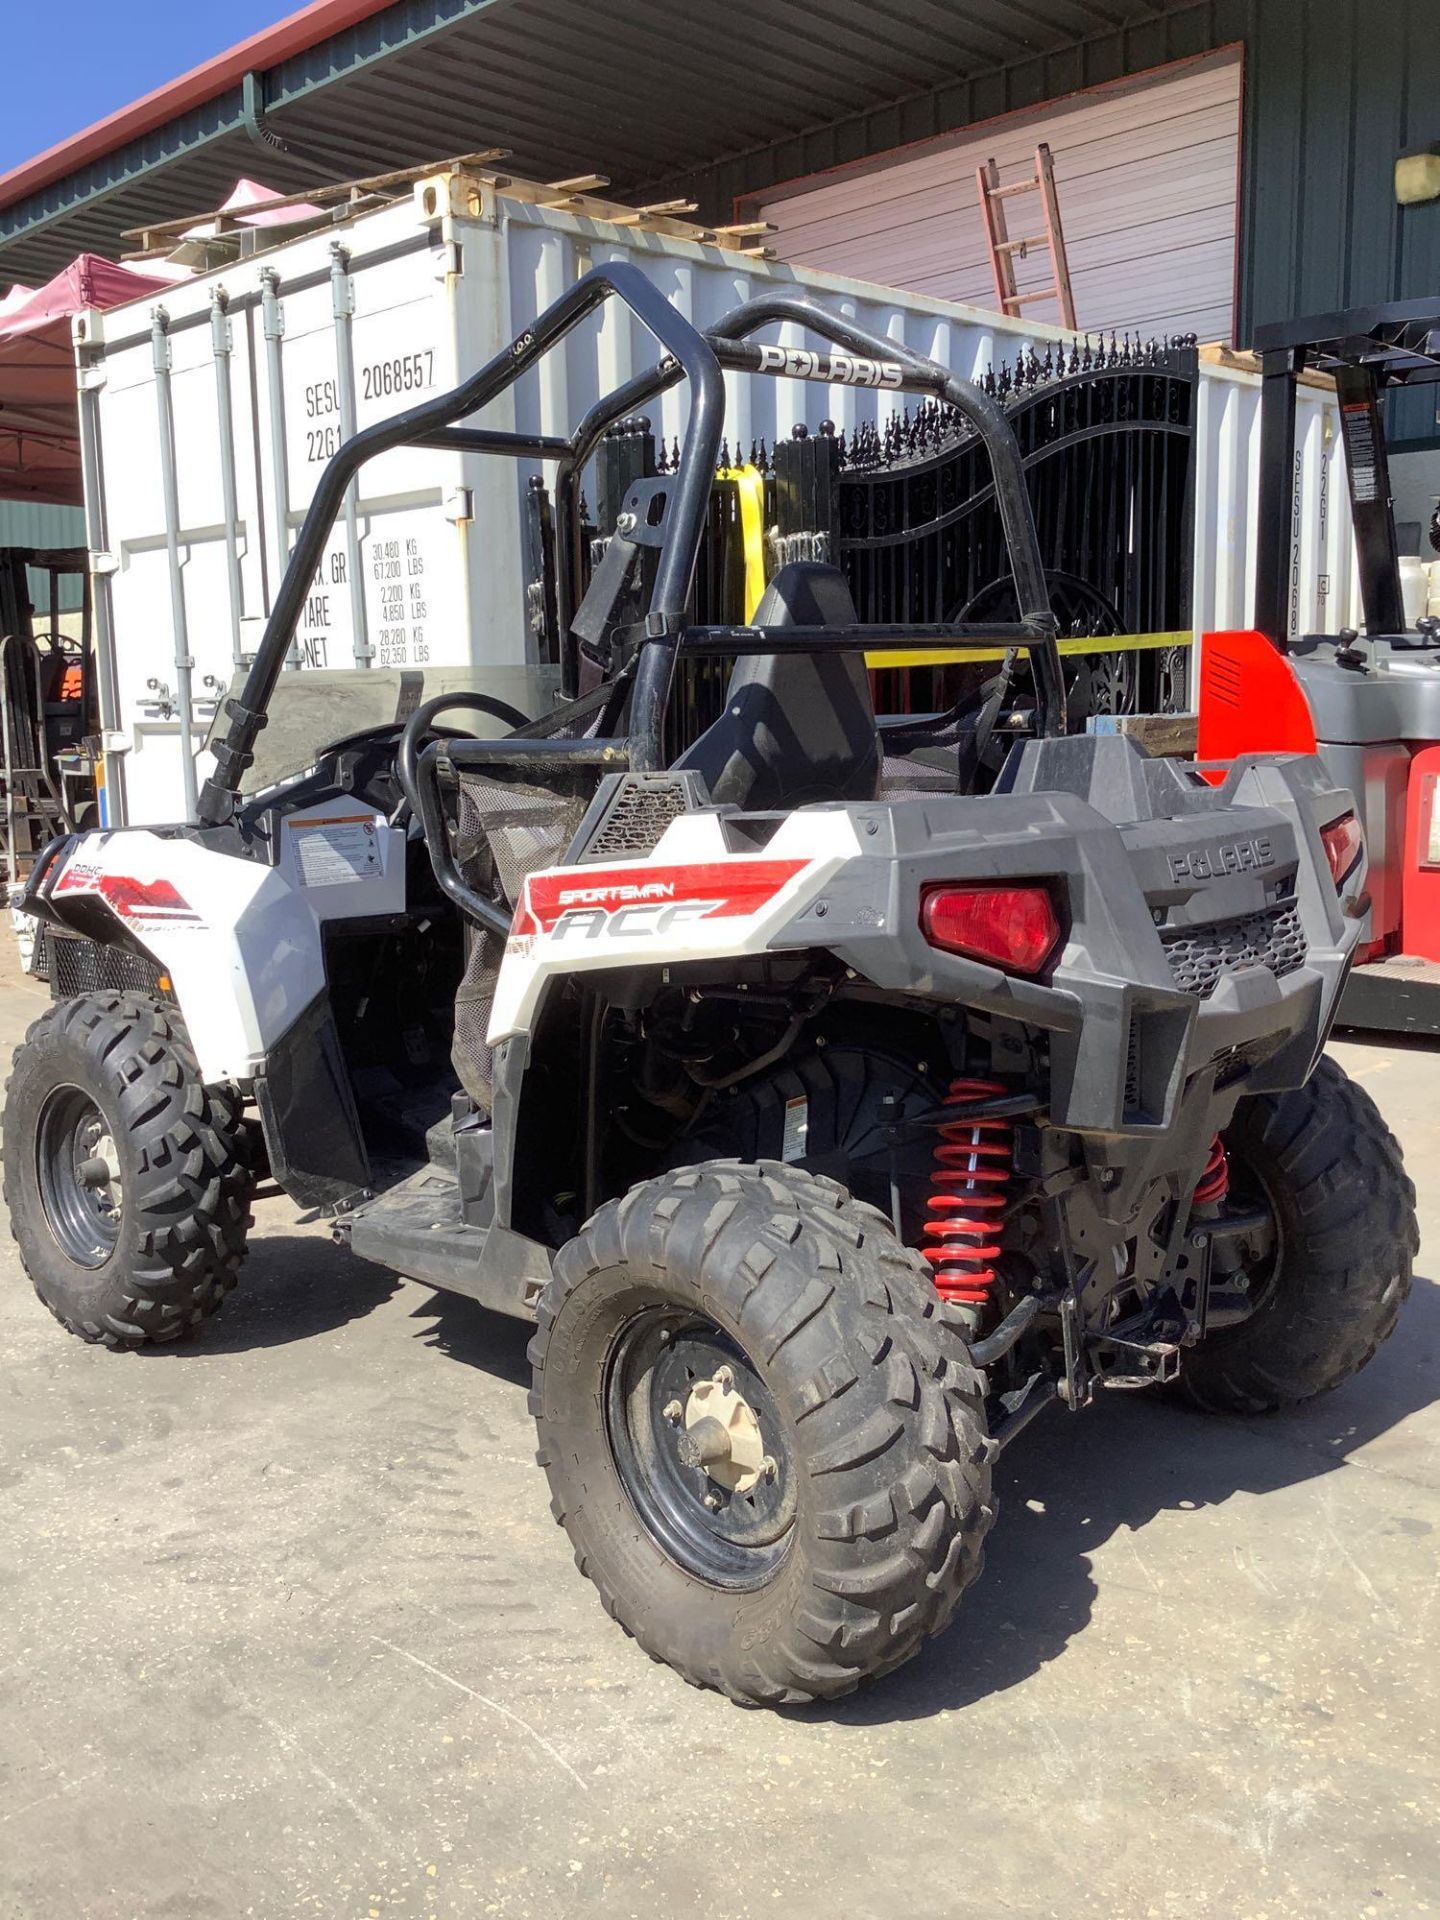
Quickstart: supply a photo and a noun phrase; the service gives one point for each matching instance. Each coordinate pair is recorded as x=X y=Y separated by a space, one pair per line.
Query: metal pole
x=1367 y=471
x=1274 y=544
x=115 y=810
x=273 y=320
x=165 y=403
x=343 y=299
x=221 y=347
x=6 y=724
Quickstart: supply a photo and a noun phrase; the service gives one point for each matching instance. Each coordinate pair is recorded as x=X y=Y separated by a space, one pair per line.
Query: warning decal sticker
x=330 y=852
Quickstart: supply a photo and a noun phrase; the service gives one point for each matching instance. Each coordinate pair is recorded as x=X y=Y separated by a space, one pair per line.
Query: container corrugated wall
x=544 y=251
x=1324 y=588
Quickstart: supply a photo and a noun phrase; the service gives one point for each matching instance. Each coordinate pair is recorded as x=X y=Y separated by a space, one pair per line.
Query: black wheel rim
x=731 y=1537
x=83 y=1207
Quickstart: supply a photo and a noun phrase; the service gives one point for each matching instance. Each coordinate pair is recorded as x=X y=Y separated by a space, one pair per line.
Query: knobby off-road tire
x=167 y=1247
x=1345 y=1212
x=865 y=1396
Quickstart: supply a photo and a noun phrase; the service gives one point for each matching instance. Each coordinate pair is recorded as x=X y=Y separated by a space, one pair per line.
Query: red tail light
x=1012 y=927
x=1344 y=843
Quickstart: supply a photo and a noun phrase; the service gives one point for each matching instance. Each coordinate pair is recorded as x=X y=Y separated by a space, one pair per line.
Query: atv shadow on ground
x=477 y=1337
x=292 y=1287
x=1070 y=1484
x=1067 y=1486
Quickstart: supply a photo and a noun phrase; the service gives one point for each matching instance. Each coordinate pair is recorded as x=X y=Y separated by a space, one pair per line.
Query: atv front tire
x=127 y=1179
x=728 y=1307
x=1339 y=1266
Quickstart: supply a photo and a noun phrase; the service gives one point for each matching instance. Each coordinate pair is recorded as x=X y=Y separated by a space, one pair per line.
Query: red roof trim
x=296 y=34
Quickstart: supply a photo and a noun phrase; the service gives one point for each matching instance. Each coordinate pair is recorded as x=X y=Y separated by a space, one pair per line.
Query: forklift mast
x=1369 y=705
x=1366 y=351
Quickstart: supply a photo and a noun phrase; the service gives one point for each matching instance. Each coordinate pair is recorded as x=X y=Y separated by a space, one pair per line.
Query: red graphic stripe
x=128 y=898
x=736 y=887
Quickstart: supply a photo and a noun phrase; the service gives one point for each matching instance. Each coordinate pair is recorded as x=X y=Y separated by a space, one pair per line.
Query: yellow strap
x=1096 y=643
x=750 y=491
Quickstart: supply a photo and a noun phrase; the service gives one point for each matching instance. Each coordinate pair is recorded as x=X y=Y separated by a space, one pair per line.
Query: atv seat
x=797 y=727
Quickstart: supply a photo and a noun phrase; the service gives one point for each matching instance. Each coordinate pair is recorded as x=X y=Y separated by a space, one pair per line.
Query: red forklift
x=1368 y=702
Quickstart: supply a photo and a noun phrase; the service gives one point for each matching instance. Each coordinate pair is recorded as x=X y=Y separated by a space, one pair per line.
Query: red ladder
x=1004 y=251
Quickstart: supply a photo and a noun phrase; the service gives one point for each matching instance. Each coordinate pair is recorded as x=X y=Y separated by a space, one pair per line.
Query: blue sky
x=68 y=66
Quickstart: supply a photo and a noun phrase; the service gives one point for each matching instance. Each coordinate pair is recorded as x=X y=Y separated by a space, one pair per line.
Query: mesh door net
x=502 y=830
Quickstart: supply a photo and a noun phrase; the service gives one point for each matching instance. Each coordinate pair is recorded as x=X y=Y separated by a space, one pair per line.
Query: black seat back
x=799 y=727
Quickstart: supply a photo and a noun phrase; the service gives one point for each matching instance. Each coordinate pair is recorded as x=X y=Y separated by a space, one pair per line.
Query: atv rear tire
x=1344 y=1210
x=108 y=1081
x=836 y=1566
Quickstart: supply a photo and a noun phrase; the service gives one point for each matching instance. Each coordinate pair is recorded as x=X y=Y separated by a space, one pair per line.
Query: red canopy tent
x=39 y=426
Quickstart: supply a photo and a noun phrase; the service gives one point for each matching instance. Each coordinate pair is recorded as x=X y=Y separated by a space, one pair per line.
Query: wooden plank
x=1241 y=360
x=568 y=196
x=589 y=206
x=1170 y=736
x=317 y=196
x=1055 y=233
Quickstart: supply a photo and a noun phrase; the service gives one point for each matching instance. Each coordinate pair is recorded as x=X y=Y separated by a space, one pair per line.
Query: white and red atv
x=830 y=1117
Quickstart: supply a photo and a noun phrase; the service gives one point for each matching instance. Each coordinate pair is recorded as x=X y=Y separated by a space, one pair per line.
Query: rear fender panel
x=1202 y=927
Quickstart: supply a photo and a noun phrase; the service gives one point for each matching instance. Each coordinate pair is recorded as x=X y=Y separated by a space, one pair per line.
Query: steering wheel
x=419 y=724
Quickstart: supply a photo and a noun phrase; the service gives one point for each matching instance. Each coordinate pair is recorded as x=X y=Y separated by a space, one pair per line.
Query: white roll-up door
x=1146 y=171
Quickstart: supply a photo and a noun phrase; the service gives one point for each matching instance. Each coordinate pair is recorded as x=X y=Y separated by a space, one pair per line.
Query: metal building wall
x=1146 y=172
x=1334 y=90
x=1028 y=81
x=30 y=523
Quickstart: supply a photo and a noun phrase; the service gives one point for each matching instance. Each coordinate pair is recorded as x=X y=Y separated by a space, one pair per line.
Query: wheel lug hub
x=720 y=1437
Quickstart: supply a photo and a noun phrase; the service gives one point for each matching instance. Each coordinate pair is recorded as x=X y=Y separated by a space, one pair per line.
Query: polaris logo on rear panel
x=1230 y=856
x=841 y=369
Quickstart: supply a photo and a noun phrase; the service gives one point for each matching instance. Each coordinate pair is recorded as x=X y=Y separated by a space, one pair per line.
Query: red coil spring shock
x=973 y=1161
x=1214 y=1183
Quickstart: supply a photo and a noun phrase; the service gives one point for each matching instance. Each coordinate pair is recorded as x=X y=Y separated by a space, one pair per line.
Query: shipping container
x=207 y=417
x=1324 y=590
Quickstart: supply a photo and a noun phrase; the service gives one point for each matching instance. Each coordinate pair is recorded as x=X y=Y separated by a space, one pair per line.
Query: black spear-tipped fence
x=905 y=507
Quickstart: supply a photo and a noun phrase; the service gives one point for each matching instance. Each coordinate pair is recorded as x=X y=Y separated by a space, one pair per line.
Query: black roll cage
x=700 y=359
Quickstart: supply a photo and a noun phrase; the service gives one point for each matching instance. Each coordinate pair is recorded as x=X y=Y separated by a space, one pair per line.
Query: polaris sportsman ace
x=830 y=1117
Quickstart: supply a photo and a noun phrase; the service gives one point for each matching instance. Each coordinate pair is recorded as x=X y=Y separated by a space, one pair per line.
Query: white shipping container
x=1324 y=590
x=408 y=301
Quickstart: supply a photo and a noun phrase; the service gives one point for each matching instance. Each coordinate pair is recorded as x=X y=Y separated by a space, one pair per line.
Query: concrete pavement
x=288 y=1631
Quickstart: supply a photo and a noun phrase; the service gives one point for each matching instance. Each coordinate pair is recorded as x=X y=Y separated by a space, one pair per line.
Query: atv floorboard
x=416 y=1228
